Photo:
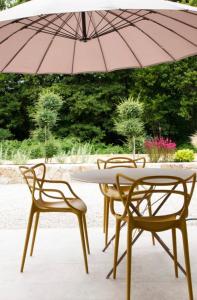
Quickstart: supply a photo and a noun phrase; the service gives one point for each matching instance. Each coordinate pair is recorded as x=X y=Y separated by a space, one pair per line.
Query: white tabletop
x=108 y=176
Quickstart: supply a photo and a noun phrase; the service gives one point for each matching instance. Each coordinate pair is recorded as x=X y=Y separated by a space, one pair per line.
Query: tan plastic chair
x=110 y=191
x=48 y=197
x=170 y=187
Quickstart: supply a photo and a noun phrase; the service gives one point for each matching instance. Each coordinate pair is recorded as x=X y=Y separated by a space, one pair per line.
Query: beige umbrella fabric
x=47 y=36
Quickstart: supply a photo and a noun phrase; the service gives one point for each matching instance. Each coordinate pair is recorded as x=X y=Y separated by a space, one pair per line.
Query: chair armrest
x=99 y=161
x=62 y=182
x=141 y=159
x=61 y=196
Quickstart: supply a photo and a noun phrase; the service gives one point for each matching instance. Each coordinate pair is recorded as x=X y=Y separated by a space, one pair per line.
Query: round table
x=108 y=176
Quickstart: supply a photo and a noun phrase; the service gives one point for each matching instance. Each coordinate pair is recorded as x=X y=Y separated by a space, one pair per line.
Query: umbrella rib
x=74 y=33
x=24 y=27
x=103 y=31
x=78 y=22
x=53 y=31
x=178 y=34
x=91 y=34
x=149 y=36
x=70 y=36
x=129 y=22
x=51 y=41
x=100 y=45
x=88 y=27
x=75 y=41
x=116 y=17
x=18 y=21
x=173 y=18
x=137 y=59
x=22 y=47
x=7 y=24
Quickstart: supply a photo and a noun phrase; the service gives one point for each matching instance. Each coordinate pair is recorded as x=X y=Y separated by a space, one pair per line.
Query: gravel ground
x=15 y=203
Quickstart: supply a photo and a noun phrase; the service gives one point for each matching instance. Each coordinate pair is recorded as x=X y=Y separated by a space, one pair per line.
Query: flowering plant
x=160 y=149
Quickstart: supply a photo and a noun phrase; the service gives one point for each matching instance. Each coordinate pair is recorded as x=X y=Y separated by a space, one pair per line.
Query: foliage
x=46 y=113
x=89 y=102
x=168 y=93
x=5 y=134
x=20 y=157
x=184 y=155
x=160 y=149
x=129 y=120
x=50 y=149
x=190 y=2
x=101 y=148
x=68 y=143
x=2 y=4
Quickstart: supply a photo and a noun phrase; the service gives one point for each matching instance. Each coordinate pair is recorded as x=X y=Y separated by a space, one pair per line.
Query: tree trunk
x=133 y=147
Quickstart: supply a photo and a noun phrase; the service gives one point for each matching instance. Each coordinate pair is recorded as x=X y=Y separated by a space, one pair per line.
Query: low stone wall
x=10 y=174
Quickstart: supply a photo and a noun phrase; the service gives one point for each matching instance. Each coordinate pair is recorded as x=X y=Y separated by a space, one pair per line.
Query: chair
x=163 y=185
x=48 y=197
x=110 y=191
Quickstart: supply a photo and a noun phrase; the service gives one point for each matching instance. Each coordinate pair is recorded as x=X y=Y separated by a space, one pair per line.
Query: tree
x=46 y=112
x=45 y=117
x=170 y=97
x=129 y=121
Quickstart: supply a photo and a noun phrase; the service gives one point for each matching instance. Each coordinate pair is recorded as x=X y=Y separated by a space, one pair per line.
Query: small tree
x=129 y=121
x=46 y=115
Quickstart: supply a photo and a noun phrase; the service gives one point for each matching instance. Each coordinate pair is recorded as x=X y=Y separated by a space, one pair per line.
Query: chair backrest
x=119 y=161
x=34 y=177
x=164 y=187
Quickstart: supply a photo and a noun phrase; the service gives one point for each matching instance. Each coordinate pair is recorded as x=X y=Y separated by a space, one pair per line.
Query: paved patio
x=56 y=271
x=15 y=204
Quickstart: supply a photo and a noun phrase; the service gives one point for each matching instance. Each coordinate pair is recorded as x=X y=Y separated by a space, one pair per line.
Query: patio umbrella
x=47 y=36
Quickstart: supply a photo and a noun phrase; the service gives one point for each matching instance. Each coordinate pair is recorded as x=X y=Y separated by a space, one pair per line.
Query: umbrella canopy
x=63 y=36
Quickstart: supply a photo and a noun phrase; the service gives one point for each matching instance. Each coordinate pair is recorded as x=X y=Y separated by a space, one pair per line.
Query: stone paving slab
x=56 y=270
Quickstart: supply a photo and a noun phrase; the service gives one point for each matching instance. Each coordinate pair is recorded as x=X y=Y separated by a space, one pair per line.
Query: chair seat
x=159 y=222
x=63 y=206
x=112 y=192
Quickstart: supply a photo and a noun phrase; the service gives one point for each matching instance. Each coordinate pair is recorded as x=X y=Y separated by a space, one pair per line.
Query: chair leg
x=104 y=214
x=150 y=214
x=129 y=256
x=27 y=237
x=86 y=234
x=174 y=243
x=106 y=220
x=118 y=222
x=80 y=217
x=187 y=259
x=34 y=233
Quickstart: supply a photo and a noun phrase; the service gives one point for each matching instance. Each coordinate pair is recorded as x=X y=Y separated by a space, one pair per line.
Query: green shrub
x=5 y=134
x=185 y=146
x=36 y=151
x=20 y=157
x=101 y=148
x=67 y=144
x=9 y=148
x=81 y=149
x=51 y=149
x=184 y=155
